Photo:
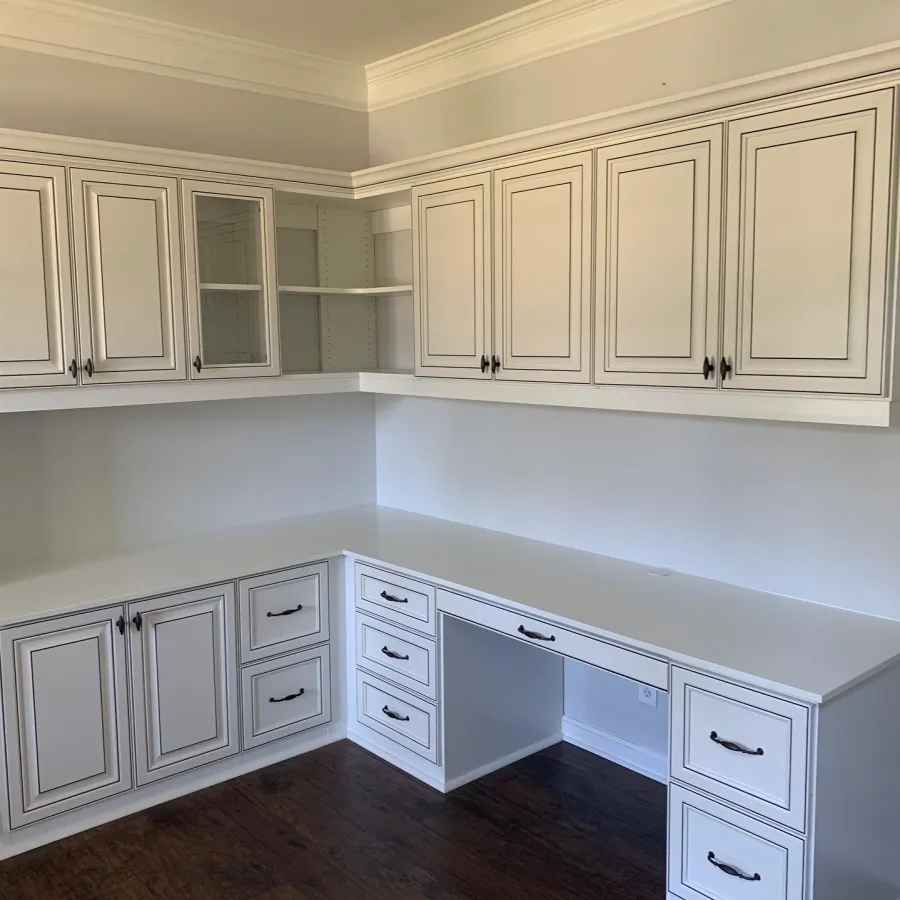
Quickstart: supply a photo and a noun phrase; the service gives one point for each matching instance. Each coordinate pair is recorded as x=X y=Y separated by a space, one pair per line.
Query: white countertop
x=800 y=649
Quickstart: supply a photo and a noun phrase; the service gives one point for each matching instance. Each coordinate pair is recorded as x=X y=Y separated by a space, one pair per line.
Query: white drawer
x=599 y=653
x=403 y=600
x=285 y=696
x=283 y=611
x=716 y=853
x=741 y=745
x=397 y=715
x=397 y=655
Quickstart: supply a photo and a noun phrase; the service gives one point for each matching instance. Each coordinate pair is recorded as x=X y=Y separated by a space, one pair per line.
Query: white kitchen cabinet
x=542 y=270
x=451 y=277
x=37 y=316
x=232 y=285
x=183 y=681
x=65 y=713
x=128 y=277
x=657 y=246
x=808 y=196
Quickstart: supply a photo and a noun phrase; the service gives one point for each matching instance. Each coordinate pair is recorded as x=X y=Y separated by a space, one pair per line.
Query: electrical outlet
x=648 y=695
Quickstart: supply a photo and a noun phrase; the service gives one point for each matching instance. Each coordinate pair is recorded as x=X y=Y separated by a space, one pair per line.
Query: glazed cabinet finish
x=65 y=713
x=807 y=242
x=128 y=276
x=452 y=277
x=37 y=317
x=657 y=246
x=542 y=270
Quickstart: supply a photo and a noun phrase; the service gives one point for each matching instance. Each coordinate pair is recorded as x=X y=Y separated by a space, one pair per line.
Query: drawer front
x=599 y=653
x=397 y=715
x=397 y=655
x=716 y=853
x=741 y=745
x=285 y=696
x=283 y=611
x=402 y=600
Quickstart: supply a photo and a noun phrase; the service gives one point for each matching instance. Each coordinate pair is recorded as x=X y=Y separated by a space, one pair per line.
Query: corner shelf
x=352 y=292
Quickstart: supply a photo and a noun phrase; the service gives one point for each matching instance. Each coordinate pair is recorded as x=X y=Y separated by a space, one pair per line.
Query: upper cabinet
x=128 y=275
x=807 y=241
x=451 y=277
x=37 y=320
x=232 y=285
x=657 y=245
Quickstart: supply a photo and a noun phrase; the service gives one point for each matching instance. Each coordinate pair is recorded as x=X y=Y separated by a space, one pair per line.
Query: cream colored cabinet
x=232 y=285
x=451 y=277
x=807 y=244
x=65 y=713
x=657 y=246
x=542 y=270
x=37 y=316
x=183 y=681
x=128 y=277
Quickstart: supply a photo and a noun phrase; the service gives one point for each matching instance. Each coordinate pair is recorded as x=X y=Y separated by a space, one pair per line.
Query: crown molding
x=525 y=35
x=80 y=31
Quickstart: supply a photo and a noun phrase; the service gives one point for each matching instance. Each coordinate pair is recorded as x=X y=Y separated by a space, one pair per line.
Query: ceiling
x=357 y=31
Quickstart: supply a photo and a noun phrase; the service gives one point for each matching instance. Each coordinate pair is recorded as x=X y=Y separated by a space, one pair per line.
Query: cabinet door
x=183 y=681
x=128 y=277
x=807 y=238
x=37 y=335
x=65 y=713
x=451 y=277
x=232 y=283
x=659 y=210
x=542 y=269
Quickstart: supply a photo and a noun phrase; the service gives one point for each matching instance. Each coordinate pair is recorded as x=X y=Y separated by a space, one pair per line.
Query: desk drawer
x=402 y=600
x=397 y=655
x=560 y=640
x=397 y=715
x=741 y=745
x=716 y=853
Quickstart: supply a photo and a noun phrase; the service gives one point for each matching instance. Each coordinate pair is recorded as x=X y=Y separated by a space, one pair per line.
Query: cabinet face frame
x=28 y=802
x=88 y=189
x=454 y=192
x=190 y=190
x=860 y=369
x=574 y=172
x=49 y=182
x=701 y=149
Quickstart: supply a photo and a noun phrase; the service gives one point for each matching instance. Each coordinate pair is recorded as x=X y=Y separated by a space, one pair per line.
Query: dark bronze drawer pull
x=535 y=635
x=731 y=870
x=733 y=747
x=390 y=597
x=392 y=715
x=392 y=655
x=286 y=612
x=299 y=693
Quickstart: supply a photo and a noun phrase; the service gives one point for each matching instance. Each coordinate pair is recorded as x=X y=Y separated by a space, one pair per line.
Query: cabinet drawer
x=599 y=653
x=285 y=696
x=397 y=715
x=283 y=611
x=388 y=651
x=716 y=853
x=741 y=745
x=403 y=600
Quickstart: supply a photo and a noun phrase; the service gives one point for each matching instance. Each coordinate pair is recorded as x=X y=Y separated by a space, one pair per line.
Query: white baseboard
x=501 y=763
x=639 y=759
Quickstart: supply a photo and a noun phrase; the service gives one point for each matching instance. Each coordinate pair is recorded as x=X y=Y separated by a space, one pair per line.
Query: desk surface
x=803 y=650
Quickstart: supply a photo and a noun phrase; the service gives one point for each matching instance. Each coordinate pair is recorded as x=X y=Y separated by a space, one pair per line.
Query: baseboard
x=396 y=757
x=501 y=763
x=639 y=759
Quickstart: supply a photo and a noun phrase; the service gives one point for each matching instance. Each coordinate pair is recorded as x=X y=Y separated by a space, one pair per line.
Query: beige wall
x=729 y=42
x=62 y=96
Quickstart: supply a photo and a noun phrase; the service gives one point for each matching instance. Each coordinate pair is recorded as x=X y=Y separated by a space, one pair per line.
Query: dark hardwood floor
x=341 y=824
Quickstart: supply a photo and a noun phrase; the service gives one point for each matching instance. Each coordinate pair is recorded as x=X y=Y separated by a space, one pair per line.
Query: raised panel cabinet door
x=659 y=211
x=451 y=277
x=128 y=277
x=231 y=279
x=542 y=270
x=806 y=268
x=183 y=681
x=65 y=711
x=37 y=314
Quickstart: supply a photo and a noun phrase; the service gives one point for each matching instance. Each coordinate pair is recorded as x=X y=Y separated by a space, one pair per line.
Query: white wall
x=20 y=517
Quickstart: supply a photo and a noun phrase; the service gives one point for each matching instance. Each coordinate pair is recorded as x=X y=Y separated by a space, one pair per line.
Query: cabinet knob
x=484 y=364
x=197 y=364
x=709 y=366
x=120 y=624
x=138 y=621
x=73 y=369
x=89 y=368
x=725 y=368
x=495 y=365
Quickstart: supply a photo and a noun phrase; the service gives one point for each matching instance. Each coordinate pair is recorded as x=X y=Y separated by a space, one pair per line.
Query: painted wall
x=725 y=43
x=20 y=516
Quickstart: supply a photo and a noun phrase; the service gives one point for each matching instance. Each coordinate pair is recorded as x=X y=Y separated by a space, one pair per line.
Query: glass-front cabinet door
x=231 y=280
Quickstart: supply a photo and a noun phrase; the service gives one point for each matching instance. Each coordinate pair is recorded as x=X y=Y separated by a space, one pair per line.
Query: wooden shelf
x=354 y=292
x=205 y=286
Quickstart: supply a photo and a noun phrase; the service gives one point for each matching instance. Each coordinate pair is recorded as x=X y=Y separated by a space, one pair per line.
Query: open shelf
x=354 y=292
x=206 y=286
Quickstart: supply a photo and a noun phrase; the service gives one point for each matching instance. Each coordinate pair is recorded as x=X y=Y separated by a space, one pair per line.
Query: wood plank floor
x=341 y=824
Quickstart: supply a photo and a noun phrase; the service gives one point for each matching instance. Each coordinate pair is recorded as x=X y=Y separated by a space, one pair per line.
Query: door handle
x=138 y=621
x=198 y=365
